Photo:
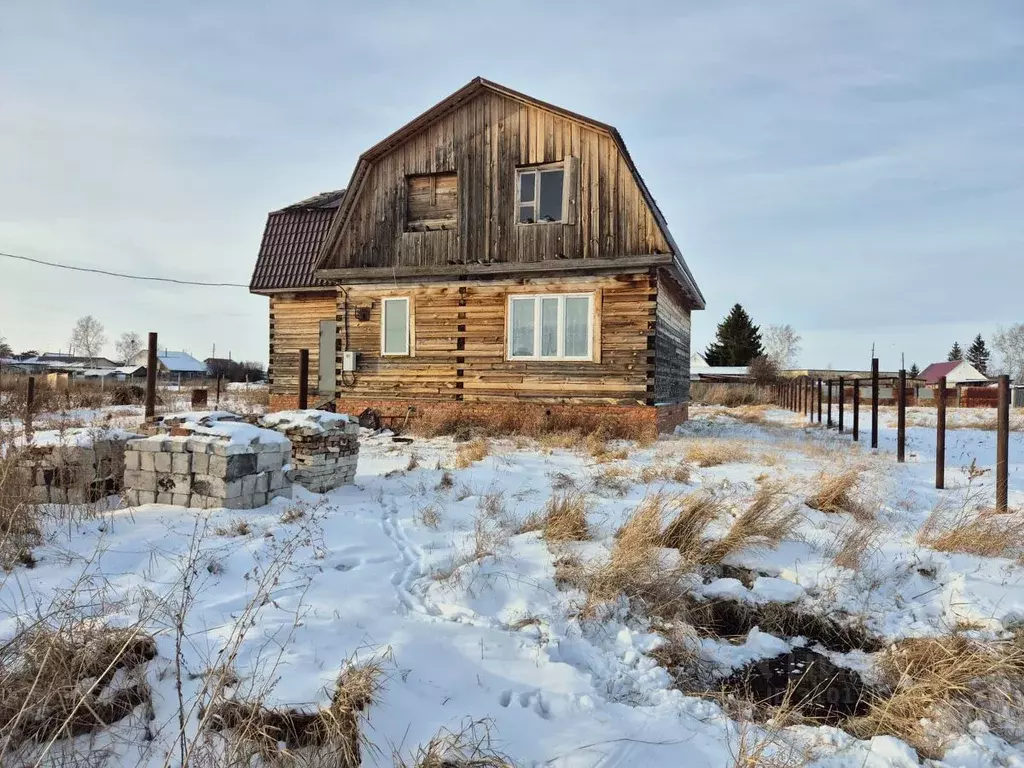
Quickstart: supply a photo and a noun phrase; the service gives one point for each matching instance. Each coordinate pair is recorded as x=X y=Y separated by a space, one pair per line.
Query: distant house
x=956 y=372
x=58 y=362
x=175 y=364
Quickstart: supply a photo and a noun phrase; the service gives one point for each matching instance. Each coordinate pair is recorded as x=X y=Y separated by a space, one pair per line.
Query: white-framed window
x=557 y=326
x=394 y=326
x=540 y=194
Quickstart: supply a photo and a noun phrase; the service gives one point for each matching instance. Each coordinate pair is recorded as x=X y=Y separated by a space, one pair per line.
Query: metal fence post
x=1002 y=444
x=819 y=400
x=842 y=401
x=874 y=402
x=828 y=423
x=940 y=435
x=151 y=370
x=303 y=379
x=901 y=418
x=856 y=410
x=30 y=399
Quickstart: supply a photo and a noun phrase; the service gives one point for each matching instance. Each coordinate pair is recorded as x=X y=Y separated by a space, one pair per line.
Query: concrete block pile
x=207 y=461
x=325 y=446
x=73 y=466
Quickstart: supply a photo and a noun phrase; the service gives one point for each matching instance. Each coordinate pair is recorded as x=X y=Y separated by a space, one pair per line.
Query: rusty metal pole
x=874 y=402
x=828 y=423
x=901 y=418
x=219 y=377
x=940 y=435
x=30 y=399
x=856 y=410
x=842 y=401
x=1003 y=444
x=151 y=364
x=303 y=379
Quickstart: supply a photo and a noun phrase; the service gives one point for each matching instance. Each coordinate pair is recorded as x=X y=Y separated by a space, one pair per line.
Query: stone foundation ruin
x=74 y=466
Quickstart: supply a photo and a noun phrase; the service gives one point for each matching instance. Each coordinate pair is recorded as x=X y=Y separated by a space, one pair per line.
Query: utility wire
x=121 y=274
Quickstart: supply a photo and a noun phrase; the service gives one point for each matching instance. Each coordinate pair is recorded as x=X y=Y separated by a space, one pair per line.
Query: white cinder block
x=181 y=463
x=131 y=459
x=147 y=462
x=147 y=497
x=162 y=462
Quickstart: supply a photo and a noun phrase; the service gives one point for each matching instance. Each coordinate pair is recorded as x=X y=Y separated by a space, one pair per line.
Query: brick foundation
x=627 y=420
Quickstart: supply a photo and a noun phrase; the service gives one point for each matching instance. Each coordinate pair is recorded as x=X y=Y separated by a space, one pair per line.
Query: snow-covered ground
x=419 y=565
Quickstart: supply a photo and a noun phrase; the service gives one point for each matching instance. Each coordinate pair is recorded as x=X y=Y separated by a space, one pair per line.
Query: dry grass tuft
x=473 y=451
x=447 y=482
x=938 y=686
x=833 y=493
x=59 y=682
x=470 y=747
x=429 y=516
x=853 y=542
x=565 y=517
x=236 y=527
x=711 y=452
x=612 y=479
x=327 y=736
x=293 y=515
x=687 y=530
x=652 y=473
x=765 y=522
x=985 y=533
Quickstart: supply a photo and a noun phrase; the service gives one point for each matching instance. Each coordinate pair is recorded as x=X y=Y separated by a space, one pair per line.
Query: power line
x=121 y=274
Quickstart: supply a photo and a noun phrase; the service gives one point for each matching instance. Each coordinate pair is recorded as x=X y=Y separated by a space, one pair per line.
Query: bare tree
x=782 y=345
x=1009 y=345
x=88 y=337
x=5 y=348
x=128 y=345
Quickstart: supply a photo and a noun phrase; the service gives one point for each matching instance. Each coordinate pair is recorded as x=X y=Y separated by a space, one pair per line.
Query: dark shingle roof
x=291 y=242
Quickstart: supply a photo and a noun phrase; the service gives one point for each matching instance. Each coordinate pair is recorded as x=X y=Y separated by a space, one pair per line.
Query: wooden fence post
x=219 y=377
x=901 y=418
x=303 y=379
x=940 y=435
x=828 y=423
x=856 y=410
x=1003 y=444
x=807 y=395
x=842 y=401
x=819 y=400
x=874 y=402
x=151 y=370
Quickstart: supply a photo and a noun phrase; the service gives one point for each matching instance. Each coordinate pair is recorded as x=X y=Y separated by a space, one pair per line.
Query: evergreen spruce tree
x=737 y=341
x=955 y=353
x=978 y=354
x=914 y=371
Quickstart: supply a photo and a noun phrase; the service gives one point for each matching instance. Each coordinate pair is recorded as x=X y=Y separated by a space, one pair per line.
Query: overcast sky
x=853 y=168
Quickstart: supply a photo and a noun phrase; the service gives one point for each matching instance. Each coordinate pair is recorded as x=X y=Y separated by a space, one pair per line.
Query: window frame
x=537 y=298
x=536 y=171
x=383 y=326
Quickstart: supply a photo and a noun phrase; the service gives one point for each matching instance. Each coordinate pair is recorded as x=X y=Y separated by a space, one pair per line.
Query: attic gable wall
x=484 y=140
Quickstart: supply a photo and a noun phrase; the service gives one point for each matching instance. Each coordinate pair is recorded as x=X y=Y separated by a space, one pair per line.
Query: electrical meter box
x=348 y=360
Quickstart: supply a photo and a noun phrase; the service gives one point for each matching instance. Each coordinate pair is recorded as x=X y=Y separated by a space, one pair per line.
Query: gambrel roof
x=456 y=100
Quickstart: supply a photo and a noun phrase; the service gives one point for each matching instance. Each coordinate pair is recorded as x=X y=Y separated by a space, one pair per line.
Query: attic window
x=540 y=194
x=431 y=202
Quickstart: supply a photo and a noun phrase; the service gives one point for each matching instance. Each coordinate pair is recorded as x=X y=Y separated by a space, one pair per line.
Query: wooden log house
x=496 y=252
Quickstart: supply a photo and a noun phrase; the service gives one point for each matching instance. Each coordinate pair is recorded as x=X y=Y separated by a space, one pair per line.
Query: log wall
x=294 y=325
x=671 y=344
x=458 y=347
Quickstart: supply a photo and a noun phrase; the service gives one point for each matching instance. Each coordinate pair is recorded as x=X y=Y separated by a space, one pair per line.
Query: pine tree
x=914 y=371
x=737 y=341
x=978 y=354
x=955 y=353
